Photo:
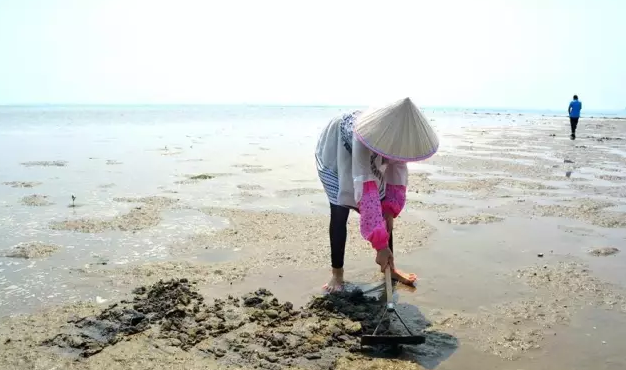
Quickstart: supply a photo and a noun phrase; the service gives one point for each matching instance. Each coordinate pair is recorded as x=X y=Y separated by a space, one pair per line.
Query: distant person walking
x=575 y=106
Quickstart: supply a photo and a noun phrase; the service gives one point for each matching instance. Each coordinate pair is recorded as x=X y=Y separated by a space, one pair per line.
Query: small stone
x=184 y=299
x=539 y=255
x=252 y=301
x=343 y=338
x=283 y=315
x=201 y=316
x=353 y=328
x=272 y=314
x=277 y=339
x=335 y=331
x=175 y=342
x=312 y=356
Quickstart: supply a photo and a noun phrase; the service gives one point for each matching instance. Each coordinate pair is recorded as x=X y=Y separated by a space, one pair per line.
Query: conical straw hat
x=398 y=131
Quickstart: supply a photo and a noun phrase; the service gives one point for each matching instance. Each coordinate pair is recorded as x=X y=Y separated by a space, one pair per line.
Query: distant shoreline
x=620 y=114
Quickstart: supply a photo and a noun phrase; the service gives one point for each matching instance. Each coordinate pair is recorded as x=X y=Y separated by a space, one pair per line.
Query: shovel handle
x=388 y=287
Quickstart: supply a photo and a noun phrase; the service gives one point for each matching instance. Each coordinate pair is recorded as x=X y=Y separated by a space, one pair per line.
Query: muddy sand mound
x=22 y=184
x=256 y=329
x=142 y=217
x=194 y=179
x=603 y=251
x=250 y=187
x=31 y=250
x=44 y=164
x=36 y=200
x=472 y=220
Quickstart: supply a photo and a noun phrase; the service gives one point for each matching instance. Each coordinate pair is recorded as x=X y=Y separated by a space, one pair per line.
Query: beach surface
x=196 y=238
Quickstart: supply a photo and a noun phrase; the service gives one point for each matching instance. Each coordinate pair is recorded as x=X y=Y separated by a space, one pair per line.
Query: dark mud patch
x=255 y=330
x=28 y=250
x=194 y=179
x=202 y=176
x=36 y=200
x=166 y=304
x=22 y=184
x=44 y=164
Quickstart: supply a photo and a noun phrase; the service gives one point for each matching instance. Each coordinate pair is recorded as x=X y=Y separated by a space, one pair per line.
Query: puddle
x=48 y=280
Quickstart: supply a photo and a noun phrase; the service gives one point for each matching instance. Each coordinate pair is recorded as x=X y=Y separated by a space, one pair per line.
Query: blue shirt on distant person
x=575 y=106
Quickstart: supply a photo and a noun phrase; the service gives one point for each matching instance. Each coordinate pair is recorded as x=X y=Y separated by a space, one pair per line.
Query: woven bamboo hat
x=398 y=131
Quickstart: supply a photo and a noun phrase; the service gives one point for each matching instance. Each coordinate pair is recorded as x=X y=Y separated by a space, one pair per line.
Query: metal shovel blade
x=374 y=340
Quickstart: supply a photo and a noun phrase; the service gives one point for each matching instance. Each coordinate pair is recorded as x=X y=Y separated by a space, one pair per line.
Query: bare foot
x=403 y=277
x=336 y=282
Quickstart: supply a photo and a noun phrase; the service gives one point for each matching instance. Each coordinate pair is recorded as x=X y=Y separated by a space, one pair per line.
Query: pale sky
x=478 y=53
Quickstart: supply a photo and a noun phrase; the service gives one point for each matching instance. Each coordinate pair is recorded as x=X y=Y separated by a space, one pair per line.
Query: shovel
x=390 y=308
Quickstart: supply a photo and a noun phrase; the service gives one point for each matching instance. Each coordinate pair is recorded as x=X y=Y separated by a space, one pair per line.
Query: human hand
x=384 y=258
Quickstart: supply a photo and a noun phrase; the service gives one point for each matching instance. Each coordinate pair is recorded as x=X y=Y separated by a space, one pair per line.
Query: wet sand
x=512 y=229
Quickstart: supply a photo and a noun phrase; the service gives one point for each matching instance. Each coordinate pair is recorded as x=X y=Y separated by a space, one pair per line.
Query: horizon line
x=286 y=105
